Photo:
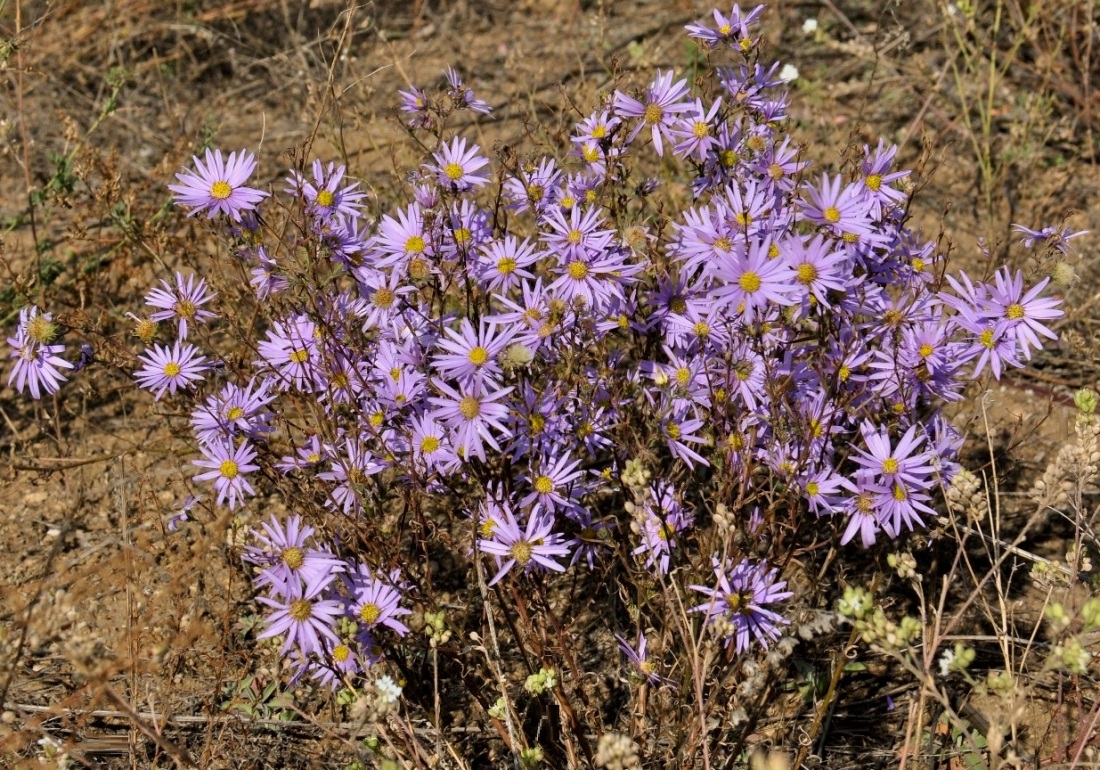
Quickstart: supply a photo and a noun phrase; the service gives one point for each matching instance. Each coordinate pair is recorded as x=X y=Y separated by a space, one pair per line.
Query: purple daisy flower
x=732 y=30
x=305 y=618
x=170 y=369
x=184 y=302
x=470 y=356
x=844 y=209
x=639 y=659
x=552 y=484
x=374 y=602
x=901 y=463
x=323 y=194
x=228 y=464
x=472 y=413
x=662 y=519
x=502 y=264
x=458 y=168
x=234 y=411
x=664 y=100
x=217 y=186
x=1024 y=313
x=740 y=599
x=534 y=546
x=287 y=560
x=37 y=362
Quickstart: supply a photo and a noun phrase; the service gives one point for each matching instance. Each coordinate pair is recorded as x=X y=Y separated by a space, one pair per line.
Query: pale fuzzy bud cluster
x=636 y=476
x=545 y=679
x=1073 y=654
x=884 y=634
x=905 y=564
x=965 y=496
x=958 y=658
x=1075 y=467
x=617 y=752
x=723 y=518
x=435 y=628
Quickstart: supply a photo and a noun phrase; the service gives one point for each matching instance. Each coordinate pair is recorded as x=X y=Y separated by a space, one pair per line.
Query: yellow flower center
x=544 y=485
x=728 y=158
x=1014 y=312
x=429 y=444
x=599 y=132
x=986 y=338
x=812 y=489
x=478 y=356
x=234 y=413
x=807 y=273
x=506 y=266
x=775 y=172
x=701 y=329
x=299 y=356
x=832 y=214
x=743 y=218
x=171 y=369
x=414 y=245
x=573 y=237
x=521 y=551
x=340 y=653
x=184 y=309
x=535 y=192
x=453 y=171
x=899 y=492
x=653 y=113
x=42 y=331
x=325 y=198
x=228 y=469
x=300 y=610
x=536 y=423
x=683 y=376
x=370 y=613
x=749 y=282
x=469 y=407
x=462 y=235
x=926 y=350
x=590 y=153
x=890 y=465
x=578 y=271
x=383 y=297
x=873 y=182
x=486 y=528
x=700 y=130
x=219 y=191
x=292 y=557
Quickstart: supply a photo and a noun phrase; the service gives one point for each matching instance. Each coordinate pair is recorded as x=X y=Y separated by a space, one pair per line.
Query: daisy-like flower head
x=534 y=546
x=234 y=411
x=639 y=659
x=182 y=302
x=894 y=463
x=739 y=603
x=1024 y=313
x=217 y=186
x=374 y=602
x=466 y=355
x=170 y=369
x=37 y=363
x=458 y=168
x=732 y=30
x=305 y=618
x=227 y=465
x=288 y=559
x=664 y=100
x=323 y=194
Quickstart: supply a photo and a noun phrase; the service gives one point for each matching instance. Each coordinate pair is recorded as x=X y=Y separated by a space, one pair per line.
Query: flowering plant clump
x=546 y=369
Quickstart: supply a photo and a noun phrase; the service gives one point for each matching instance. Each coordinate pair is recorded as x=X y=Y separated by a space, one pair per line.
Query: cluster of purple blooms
x=791 y=334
